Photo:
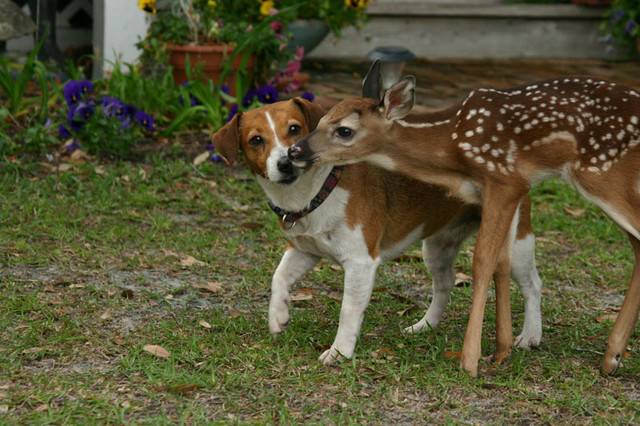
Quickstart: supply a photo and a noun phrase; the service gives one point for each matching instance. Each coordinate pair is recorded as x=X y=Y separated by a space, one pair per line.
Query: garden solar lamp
x=392 y=61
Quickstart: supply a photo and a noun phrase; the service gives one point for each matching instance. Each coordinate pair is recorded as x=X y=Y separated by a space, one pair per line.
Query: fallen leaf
x=191 y=261
x=382 y=353
x=183 y=389
x=79 y=156
x=201 y=158
x=156 y=350
x=204 y=324
x=106 y=315
x=302 y=294
x=4 y=408
x=211 y=286
x=335 y=295
x=100 y=170
x=251 y=225
x=42 y=407
x=76 y=286
x=234 y=313
x=574 y=212
x=452 y=354
x=607 y=317
x=462 y=279
x=64 y=167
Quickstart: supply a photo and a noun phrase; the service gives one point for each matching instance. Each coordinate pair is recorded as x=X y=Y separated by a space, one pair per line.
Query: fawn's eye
x=344 y=132
x=294 y=129
x=256 y=141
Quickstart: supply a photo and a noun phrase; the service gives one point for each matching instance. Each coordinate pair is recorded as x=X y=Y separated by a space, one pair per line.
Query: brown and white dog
x=370 y=216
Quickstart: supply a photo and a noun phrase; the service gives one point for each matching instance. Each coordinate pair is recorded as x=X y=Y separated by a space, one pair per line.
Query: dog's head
x=265 y=135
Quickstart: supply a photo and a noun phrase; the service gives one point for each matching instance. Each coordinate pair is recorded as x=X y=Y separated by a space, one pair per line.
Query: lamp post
x=392 y=61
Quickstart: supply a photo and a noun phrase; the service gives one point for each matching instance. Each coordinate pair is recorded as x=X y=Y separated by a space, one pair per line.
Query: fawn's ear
x=372 y=83
x=227 y=140
x=399 y=99
x=312 y=112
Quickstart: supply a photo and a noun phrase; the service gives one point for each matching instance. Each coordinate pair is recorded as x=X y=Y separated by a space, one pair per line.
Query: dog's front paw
x=278 y=315
x=331 y=356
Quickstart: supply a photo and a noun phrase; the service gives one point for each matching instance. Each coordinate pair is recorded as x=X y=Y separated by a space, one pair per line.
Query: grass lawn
x=97 y=262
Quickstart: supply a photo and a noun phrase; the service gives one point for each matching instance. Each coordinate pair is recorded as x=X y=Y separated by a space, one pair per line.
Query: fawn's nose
x=295 y=152
x=284 y=166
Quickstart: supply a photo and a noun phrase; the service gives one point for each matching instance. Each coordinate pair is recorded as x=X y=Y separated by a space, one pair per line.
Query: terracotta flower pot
x=210 y=58
x=593 y=3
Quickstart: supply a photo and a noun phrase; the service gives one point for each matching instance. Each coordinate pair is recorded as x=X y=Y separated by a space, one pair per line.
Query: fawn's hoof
x=611 y=363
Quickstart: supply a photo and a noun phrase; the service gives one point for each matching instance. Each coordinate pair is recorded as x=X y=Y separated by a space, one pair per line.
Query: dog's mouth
x=305 y=164
x=288 y=180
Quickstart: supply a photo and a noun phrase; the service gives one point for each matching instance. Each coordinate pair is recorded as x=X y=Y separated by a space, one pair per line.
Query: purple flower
x=216 y=158
x=617 y=15
x=145 y=120
x=225 y=88
x=63 y=132
x=75 y=90
x=308 y=96
x=128 y=114
x=267 y=94
x=210 y=147
x=630 y=26
x=112 y=107
x=248 y=98
x=70 y=147
x=232 y=112
x=79 y=114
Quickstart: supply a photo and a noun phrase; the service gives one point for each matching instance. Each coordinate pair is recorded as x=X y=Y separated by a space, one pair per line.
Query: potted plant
x=622 y=24
x=315 y=18
x=209 y=35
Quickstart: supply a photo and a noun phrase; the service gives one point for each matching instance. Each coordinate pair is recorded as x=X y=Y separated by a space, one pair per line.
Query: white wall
x=118 y=25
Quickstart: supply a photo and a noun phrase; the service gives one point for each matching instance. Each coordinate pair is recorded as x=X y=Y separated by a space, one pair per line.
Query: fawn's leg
x=499 y=205
x=504 y=331
x=627 y=318
x=502 y=278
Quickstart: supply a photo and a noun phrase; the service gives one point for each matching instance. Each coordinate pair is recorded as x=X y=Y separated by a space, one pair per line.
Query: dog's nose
x=295 y=152
x=285 y=166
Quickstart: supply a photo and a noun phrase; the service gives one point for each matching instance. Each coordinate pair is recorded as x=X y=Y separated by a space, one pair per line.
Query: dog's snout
x=295 y=152
x=285 y=166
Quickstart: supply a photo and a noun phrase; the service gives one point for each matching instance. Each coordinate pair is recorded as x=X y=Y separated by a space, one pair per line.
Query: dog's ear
x=372 y=83
x=312 y=112
x=227 y=140
x=399 y=99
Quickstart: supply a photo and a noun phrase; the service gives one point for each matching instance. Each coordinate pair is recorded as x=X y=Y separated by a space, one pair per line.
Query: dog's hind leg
x=439 y=252
x=293 y=265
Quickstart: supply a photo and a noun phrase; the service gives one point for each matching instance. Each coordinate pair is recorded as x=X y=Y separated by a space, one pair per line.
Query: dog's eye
x=344 y=132
x=294 y=129
x=256 y=141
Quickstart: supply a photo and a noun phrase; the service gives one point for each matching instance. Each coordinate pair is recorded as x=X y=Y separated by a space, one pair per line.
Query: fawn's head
x=355 y=128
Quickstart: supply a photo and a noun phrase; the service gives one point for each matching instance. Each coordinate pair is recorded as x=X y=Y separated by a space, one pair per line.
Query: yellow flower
x=265 y=7
x=357 y=4
x=147 y=5
x=212 y=4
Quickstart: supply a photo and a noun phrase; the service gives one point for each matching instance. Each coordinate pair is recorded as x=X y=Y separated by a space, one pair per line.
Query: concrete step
x=482 y=29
